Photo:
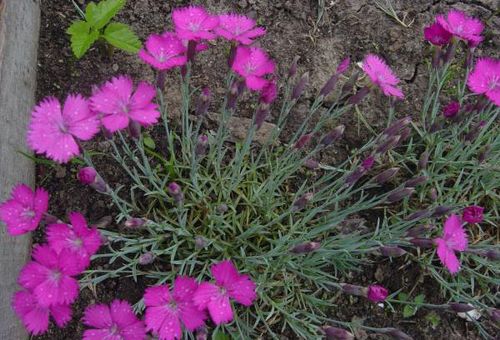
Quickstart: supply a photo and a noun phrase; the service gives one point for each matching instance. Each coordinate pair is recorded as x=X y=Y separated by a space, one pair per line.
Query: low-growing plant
x=97 y=26
x=259 y=236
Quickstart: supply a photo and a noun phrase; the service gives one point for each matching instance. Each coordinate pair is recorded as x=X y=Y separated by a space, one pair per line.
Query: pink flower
x=343 y=66
x=239 y=28
x=485 y=79
x=453 y=239
x=82 y=241
x=194 y=23
x=253 y=64
x=34 y=316
x=54 y=131
x=87 y=175
x=114 y=322
x=50 y=276
x=24 y=211
x=119 y=104
x=437 y=35
x=377 y=293
x=473 y=214
x=462 y=26
x=164 y=51
x=381 y=75
x=229 y=284
x=451 y=109
x=165 y=311
x=269 y=92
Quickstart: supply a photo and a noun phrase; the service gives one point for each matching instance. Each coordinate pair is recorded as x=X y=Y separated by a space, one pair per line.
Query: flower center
x=77 y=242
x=194 y=26
x=494 y=83
x=28 y=213
x=62 y=126
x=56 y=276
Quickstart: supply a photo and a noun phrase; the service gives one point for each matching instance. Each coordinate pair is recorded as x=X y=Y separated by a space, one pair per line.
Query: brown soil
x=347 y=28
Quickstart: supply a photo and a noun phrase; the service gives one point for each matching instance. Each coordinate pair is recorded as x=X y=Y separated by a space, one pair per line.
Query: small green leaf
x=82 y=37
x=409 y=311
x=219 y=335
x=403 y=297
x=419 y=298
x=433 y=319
x=121 y=36
x=149 y=142
x=99 y=15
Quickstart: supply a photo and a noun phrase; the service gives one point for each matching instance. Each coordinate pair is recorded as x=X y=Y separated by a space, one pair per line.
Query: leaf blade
x=121 y=36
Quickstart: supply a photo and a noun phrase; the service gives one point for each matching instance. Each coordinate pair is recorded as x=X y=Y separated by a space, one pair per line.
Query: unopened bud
x=433 y=195
x=494 y=314
x=460 y=307
x=417 y=215
x=396 y=127
x=424 y=160
x=201 y=146
x=203 y=102
x=302 y=201
x=391 y=251
x=422 y=242
x=304 y=248
x=451 y=109
x=412 y=183
x=261 y=115
x=400 y=194
x=135 y=222
x=300 y=86
x=200 y=242
x=385 y=175
x=311 y=164
x=146 y=258
x=353 y=289
x=377 y=293
x=89 y=176
x=303 y=141
x=292 y=71
x=419 y=230
x=359 y=96
x=329 y=86
x=333 y=135
x=349 y=85
x=441 y=210
x=397 y=334
x=343 y=66
x=493 y=255
x=388 y=144
x=175 y=191
x=334 y=333
x=191 y=50
x=354 y=176
x=404 y=134
x=269 y=92
x=134 y=129
x=449 y=53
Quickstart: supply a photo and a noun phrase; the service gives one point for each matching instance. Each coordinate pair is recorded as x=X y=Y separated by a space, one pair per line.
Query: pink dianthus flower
x=194 y=23
x=165 y=311
x=54 y=131
x=462 y=26
x=381 y=75
x=82 y=241
x=119 y=105
x=252 y=63
x=451 y=109
x=239 y=28
x=473 y=214
x=437 y=35
x=228 y=284
x=377 y=293
x=114 y=322
x=485 y=79
x=164 y=51
x=24 y=211
x=50 y=276
x=34 y=316
x=453 y=239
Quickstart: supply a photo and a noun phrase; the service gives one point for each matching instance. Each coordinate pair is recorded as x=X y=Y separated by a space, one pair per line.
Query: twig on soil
x=388 y=9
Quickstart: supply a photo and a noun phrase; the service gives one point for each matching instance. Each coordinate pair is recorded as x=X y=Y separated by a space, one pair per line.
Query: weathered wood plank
x=19 y=27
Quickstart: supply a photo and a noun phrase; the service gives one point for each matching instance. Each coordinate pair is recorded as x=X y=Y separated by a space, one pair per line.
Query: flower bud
x=175 y=191
x=146 y=258
x=87 y=175
x=359 y=96
x=333 y=135
x=203 y=102
x=400 y=194
x=441 y=210
x=303 y=141
x=397 y=334
x=436 y=58
x=302 y=201
x=492 y=255
x=232 y=97
x=311 y=164
x=304 y=248
x=191 y=50
x=269 y=92
x=134 y=129
x=417 y=215
x=222 y=208
x=349 y=85
x=391 y=251
x=404 y=134
x=160 y=79
x=422 y=242
x=300 y=86
x=354 y=289
x=396 y=127
x=134 y=222
x=419 y=230
x=201 y=146
x=334 y=333
x=494 y=314
x=377 y=293
x=451 y=109
x=433 y=195
x=411 y=183
x=329 y=86
x=261 y=115
x=200 y=242
x=385 y=175
x=103 y=222
x=368 y=163
x=292 y=71
x=388 y=144
x=354 y=176
x=343 y=66
x=473 y=214
x=460 y=307
x=449 y=53
x=424 y=160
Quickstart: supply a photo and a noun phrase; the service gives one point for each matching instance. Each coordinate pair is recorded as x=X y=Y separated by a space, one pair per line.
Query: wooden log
x=19 y=28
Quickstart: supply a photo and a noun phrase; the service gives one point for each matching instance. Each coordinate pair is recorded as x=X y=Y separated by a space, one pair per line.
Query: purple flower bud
x=87 y=175
x=433 y=194
x=269 y=92
x=460 y=307
x=300 y=86
x=303 y=141
x=492 y=255
x=424 y=160
x=441 y=210
x=201 y=146
x=474 y=131
x=396 y=127
x=368 y=163
x=484 y=153
x=334 y=333
x=200 y=242
x=388 y=144
x=359 y=96
x=494 y=314
x=449 y=53
x=411 y=183
x=404 y=134
x=377 y=293
x=349 y=85
x=354 y=289
x=343 y=66
x=419 y=230
x=222 y=208
x=232 y=97
x=261 y=115
x=422 y=242
x=391 y=251
x=292 y=71
x=146 y=258
x=175 y=191
x=400 y=194
x=417 y=215
x=160 y=79
x=302 y=201
x=451 y=109
x=203 y=102
x=385 y=175
x=333 y=135
x=134 y=222
x=354 y=176
x=473 y=214
x=134 y=129
x=436 y=58
x=103 y=222
x=397 y=334
x=304 y=248
x=311 y=164
x=329 y=85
